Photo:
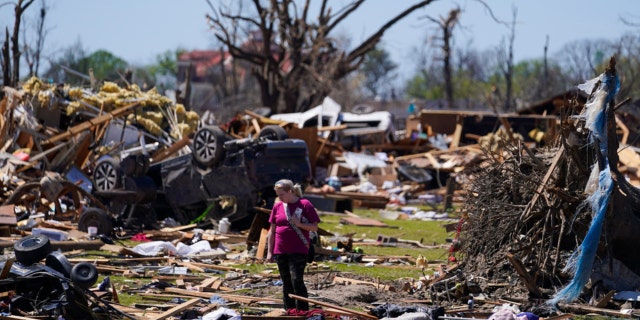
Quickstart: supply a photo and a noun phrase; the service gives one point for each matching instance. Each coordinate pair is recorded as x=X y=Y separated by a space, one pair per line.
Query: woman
x=289 y=246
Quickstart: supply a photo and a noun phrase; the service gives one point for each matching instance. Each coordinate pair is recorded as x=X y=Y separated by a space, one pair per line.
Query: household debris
x=510 y=246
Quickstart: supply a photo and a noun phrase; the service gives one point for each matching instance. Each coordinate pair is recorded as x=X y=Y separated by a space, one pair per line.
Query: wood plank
x=524 y=275
x=354 y=281
x=543 y=184
x=363 y=222
x=605 y=300
x=92 y=123
x=177 y=309
x=165 y=153
x=262 y=245
x=324 y=304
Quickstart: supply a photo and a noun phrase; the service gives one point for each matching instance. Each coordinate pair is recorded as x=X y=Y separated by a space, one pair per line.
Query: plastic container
x=223 y=225
x=53 y=234
x=335 y=183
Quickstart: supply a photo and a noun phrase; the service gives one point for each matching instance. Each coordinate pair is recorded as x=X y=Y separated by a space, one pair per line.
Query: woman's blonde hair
x=287 y=185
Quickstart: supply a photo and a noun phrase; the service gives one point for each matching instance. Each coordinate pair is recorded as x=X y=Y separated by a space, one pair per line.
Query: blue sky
x=139 y=30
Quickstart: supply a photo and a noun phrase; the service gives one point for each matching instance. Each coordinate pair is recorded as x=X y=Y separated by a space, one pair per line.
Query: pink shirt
x=287 y=239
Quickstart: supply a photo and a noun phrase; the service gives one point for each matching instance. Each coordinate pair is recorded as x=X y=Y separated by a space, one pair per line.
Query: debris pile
x=533 y=220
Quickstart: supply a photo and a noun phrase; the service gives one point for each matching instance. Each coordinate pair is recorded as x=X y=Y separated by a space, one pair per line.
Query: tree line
x=287 y=56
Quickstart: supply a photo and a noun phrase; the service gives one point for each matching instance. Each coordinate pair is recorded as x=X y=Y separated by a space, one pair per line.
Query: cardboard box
x=378 y=176
x=340 y=170
x=8 y=215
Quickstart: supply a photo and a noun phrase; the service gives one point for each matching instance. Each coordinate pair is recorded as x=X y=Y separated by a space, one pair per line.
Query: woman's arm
x=271 y=240
x=309 y=226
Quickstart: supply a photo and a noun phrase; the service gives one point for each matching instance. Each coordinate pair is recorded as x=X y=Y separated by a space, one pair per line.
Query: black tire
x=84 y=275
x=94 y=217
x=107 y=175
x=32 y=249
x=135 y=165
x=208 y=145
x=273 y=132
x=57 y=261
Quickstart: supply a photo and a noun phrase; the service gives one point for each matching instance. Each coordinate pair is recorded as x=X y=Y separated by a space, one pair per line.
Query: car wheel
x=208 y=144
x=135 y=165
x=84 y=274
x=273 y=132
x=94 y=217
x=57 y=261
x=107 y=174
x=32 y=249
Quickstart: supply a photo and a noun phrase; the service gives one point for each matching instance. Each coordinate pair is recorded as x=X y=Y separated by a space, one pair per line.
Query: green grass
x=425 y=232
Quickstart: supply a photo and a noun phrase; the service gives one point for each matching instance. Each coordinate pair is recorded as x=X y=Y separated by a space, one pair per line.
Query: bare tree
x=507 y=63
x=33 y=52
x=294 y=58
x=446 y=26
x=11 y=59
x=583 y=58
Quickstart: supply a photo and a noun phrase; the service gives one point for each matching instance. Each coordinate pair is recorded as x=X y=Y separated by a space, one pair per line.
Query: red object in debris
x=140 y=237
x=22 y=156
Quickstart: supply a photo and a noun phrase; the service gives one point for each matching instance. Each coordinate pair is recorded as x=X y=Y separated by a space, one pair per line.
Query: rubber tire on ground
x=94 y=217
x=59 y=262
x=107 y=174
x=273 y=132
x=208 y=145
x=32 y=249
x=84 y=274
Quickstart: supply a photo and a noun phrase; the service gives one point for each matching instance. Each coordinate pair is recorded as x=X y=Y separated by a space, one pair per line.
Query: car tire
x=57 y=261
x=84 y=274
x=94 y=217
x=208 y=145
x=273 y=132
x=135 y=165
x=107 y=175
x=32 y=249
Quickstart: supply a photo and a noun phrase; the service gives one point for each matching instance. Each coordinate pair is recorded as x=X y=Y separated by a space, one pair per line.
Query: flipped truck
x=222 y=177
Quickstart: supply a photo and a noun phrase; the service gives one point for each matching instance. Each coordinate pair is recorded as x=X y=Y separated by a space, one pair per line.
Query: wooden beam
x=177 y=309
x=524 y=275
x=543 y=184
x=324 y=304
x=165 y=153
x=89 y=124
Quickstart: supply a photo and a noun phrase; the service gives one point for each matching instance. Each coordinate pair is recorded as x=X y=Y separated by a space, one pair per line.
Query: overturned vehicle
x=221 y=178
x=55 y=290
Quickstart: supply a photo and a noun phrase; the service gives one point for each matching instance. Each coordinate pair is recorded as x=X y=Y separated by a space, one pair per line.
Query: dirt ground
x=349 y=295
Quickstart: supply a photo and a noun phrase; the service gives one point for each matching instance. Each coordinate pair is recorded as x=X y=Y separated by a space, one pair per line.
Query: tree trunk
x=268 y=93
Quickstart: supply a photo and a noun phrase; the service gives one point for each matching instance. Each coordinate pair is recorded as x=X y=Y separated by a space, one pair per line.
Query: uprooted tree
x=293 y=57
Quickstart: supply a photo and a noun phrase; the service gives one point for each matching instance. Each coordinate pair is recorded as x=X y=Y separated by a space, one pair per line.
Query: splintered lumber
x=583 y=309
x=363 y=222
x=524 y=275
x=89 y=124
x=165 y=153
x=215 y=267
x=605 y=300
x=324 y=304
x=354 y=281
x=229 y=297
x=177 y=309
x=542 y=185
